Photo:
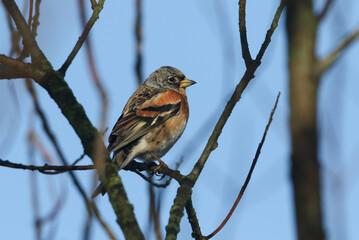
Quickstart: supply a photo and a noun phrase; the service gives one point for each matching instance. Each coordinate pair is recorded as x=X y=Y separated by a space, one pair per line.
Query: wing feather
x=138 y=122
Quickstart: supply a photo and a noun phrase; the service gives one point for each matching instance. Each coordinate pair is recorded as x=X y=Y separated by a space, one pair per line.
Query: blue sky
x=201 y=39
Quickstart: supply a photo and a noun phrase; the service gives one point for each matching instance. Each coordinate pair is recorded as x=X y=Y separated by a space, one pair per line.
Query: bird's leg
x=161 y=163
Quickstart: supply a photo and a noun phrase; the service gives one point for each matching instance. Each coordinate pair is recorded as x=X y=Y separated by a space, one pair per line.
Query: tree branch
x=89 y=204
x=323 y=13
x=60 y=92
x=185 y=190
x=37 y=55
x=254 y=162
x=243 y=33
x=328 y=61
x=46 y=169
x=11 y=68
x=138 y=34
x=95 y=15
x=193 y=220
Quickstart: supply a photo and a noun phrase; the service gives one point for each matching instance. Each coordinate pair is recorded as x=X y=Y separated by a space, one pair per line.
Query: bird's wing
x=137 y=122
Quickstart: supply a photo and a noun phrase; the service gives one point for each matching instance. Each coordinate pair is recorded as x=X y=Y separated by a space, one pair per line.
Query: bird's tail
x=98 y=190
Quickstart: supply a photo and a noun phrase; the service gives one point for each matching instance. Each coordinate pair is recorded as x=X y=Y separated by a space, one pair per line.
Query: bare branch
x=28 y=39
x=90 y=205
x=60 y=92
x=46 y=169
x=270 y=31
x=254 y=162
x=193 y=220
x=93 y=4
x=35 y=19
x=154 y=212
x=185 y=190
x=99 y=151
x=138 y=34
x=326 y=7
x=11 y=68
x=243 y=33
x=95 y=15
x=328 y=61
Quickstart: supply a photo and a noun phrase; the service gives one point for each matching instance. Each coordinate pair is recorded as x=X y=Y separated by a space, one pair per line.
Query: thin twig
x=254 y=162
x=243 y=33
x=90 y=205
x=95 y=15
x=46 y=169
x=78 y=159
x=34 y=194
x=14 y=37
x=35 y=19
x=30 y=13
x=270 y=31
x=326 y=7
x=28 y=39
x=138 y=34
x=328 y=61
x=154 y=212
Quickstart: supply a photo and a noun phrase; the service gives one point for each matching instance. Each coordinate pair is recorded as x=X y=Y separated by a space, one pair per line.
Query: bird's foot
x=159 y=166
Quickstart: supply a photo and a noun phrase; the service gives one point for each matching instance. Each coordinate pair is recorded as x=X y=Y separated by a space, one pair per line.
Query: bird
x=152 y=120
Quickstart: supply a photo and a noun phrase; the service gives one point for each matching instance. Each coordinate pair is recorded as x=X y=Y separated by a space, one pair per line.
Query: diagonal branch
x=138 y=34
x=326 y=7
x=95 y=15
x=89 y=204
x=270 y=31
x=61 y=93
x=254 y=162
x=185 y=190
x=328 y=61
x=28 y=39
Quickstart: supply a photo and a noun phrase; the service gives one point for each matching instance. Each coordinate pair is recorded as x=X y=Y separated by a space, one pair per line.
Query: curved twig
x=244 y=187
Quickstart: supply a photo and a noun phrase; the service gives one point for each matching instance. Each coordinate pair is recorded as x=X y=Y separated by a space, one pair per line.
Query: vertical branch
x=35 y=19
x=154 y=213
x=326 y=7
x=138 y=34
x=192 y=218
x=34 y=194
x=302 y=26
x=243 y=33
x=95 y=15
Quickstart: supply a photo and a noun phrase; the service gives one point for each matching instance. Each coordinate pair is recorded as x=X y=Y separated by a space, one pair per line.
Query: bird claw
x=159 y=166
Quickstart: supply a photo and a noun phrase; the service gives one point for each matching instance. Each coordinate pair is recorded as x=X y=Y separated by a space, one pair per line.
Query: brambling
x=152 y=121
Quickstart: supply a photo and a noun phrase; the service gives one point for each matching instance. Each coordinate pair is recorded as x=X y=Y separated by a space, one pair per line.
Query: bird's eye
x=171 y=79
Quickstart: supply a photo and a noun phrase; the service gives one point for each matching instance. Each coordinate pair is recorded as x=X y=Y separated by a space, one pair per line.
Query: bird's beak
x=186 y=83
